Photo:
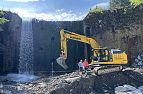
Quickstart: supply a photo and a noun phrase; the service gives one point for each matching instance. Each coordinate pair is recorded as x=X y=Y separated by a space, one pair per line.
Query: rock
x=139 y=57
x=7 y=92
x=136 y=60
x=91 y=93
x=30 y=85
x=70 y=80
x=1 y=85
x=19 y=87
x=129 y=87
x=42 y=84
x=121 y=93
x=120 y=89
x=141 y=88
x=139 y=70
x=140 y=63
x=137 y=91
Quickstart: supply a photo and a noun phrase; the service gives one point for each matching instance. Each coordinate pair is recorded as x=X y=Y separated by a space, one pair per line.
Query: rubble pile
x=138 y=61
x=64 y=84
x=72 y=83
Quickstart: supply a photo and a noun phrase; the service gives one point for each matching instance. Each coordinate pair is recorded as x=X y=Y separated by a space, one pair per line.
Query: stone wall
x=10 y=39
x=117 y=29
x=46 y=38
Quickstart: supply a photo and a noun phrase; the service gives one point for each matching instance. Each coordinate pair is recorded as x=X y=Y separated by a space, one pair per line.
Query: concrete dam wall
x=46 y=38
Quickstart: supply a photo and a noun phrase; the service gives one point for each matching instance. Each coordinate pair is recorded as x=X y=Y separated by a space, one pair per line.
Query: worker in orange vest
x=86 y=65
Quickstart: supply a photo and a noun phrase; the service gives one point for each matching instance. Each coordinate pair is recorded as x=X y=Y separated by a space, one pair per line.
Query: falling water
x=26 y=48
x=26 y=55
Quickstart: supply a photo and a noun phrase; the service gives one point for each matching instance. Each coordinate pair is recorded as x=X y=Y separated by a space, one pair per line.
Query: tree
x=136 y=2
x=96 y=10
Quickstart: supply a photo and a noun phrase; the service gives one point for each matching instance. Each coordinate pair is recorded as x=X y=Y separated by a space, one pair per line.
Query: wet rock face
x=10 y=42
x=118 y=29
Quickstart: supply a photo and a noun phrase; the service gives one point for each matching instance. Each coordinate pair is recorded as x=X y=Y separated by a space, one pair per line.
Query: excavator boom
x=72 y=36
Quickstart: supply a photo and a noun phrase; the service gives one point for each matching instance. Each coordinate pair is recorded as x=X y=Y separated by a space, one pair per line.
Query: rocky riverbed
x=73 y=84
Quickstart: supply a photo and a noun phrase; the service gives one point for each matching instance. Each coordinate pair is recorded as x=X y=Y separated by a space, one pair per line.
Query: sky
x=52 y=10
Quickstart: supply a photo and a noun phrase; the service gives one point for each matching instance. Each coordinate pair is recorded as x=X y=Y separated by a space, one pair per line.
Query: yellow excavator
x=103 y=60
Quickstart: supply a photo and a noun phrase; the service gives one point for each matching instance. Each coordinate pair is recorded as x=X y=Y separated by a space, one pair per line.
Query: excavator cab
x=101 y=55
x=109 y=57
x=104 y=55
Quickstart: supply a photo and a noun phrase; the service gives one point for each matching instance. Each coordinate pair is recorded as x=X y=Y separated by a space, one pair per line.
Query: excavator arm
x=65 y=35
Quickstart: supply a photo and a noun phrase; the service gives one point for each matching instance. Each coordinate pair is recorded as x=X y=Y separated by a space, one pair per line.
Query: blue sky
x=52 y=10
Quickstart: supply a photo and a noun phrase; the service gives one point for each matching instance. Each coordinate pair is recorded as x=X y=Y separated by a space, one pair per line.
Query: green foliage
x=136 y=2
x=3 y=20
x=96 y=10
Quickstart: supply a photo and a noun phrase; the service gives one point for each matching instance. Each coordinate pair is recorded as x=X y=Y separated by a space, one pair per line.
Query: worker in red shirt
x=85 y=65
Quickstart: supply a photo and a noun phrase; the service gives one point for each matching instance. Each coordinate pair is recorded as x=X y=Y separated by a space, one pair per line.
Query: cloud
x=104 y=5
x=23 y=0
x=59 y=15
x=59 y=10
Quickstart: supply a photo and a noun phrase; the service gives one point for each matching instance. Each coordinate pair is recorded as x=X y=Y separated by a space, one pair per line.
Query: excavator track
x=100 y=70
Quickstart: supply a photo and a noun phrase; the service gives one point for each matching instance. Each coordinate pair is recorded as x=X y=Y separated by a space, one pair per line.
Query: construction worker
x=86 y=65
x=80 y=65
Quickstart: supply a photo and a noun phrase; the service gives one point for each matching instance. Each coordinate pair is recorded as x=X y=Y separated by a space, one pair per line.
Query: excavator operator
x=103 y=55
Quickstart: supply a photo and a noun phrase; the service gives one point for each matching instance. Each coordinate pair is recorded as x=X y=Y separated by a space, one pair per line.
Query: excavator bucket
x=61 y=62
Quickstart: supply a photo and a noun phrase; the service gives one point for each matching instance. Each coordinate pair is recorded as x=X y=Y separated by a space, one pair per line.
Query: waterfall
x=26 y=48
x=26 y=55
